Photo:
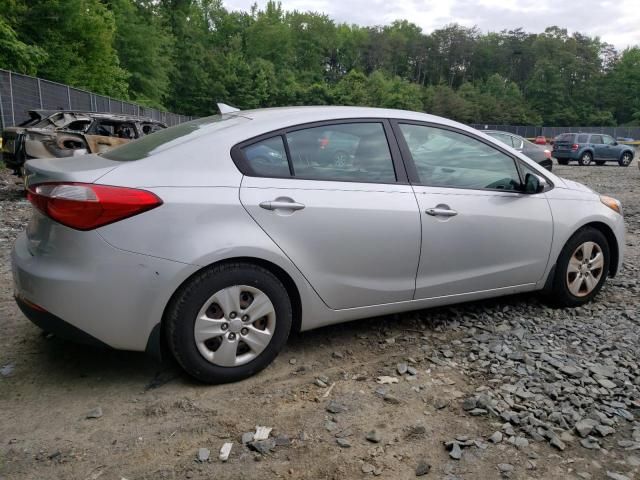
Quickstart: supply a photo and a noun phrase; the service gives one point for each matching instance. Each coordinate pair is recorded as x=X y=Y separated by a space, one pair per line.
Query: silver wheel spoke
x=597 y=262
x=260 y=306
x=226 y=354
x=587 y=250
x=257 y=340
x=207 y=328
x=574 y=286
x=229 y=300
x=590 y=282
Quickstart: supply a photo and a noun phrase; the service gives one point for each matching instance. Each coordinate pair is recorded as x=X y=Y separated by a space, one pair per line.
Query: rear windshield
x=565 y=137
x=170 y=137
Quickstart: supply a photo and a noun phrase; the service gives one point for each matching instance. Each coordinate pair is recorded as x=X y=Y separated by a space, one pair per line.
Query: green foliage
x=77 y=39
x=144 y=46
x=187 y=55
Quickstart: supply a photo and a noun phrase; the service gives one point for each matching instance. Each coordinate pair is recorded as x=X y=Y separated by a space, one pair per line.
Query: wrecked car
x=53 y=133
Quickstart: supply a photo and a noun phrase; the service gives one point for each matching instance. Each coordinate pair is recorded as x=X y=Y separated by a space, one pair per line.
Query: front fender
x=573 y=210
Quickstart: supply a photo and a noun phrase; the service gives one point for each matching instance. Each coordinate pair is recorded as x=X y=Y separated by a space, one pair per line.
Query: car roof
x=271 y=119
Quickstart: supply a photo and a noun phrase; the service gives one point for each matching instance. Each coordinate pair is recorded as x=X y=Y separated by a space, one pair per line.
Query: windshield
x=171 y=137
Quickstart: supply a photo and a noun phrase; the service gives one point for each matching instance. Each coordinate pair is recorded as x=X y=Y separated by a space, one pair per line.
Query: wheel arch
x=588 y=150
x=613 y=244
x=626 y=151
x=156 y=343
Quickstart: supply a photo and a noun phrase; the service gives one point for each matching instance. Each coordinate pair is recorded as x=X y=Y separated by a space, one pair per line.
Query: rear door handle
x=281 y=204
x=440 y=212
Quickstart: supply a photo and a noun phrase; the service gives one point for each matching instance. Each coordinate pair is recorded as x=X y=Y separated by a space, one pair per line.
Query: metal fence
x=550 y=132
x=21 y=93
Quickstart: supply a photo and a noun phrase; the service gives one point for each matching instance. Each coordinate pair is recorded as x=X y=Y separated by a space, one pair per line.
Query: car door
x=611 y=150
x=600 y=150
x=351 y=227
x=479 y=231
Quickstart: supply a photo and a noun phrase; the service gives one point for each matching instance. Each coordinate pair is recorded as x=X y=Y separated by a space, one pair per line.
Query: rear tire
x=586 y=159
x=563 y=161
x=196 y=348
x=577 y=278
x=626 y=159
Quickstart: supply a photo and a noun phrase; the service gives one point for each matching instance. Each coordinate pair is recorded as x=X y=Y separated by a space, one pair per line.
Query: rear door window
x=582 y=138
x=351 y=152
x=596 y=139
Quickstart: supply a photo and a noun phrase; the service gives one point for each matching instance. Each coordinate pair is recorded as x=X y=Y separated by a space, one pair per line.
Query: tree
x=144 y=45
x=77 y=37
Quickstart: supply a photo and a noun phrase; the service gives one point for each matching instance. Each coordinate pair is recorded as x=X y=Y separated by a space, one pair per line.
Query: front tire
x=581 y=269
x=626 y=159
x=228 y=322
x=586 y=159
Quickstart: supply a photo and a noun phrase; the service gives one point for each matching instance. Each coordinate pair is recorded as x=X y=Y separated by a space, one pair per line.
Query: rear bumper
x=565 y=155
x=92 y=292
x=50 y=323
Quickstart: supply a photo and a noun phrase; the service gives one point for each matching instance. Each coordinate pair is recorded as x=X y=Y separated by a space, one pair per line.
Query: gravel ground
x=506 y=388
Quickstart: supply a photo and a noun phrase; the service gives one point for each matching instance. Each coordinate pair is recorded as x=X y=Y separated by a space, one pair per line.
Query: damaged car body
x=62 y=134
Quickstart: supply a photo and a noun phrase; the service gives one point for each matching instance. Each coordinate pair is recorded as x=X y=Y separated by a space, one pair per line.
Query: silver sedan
x=219 y=236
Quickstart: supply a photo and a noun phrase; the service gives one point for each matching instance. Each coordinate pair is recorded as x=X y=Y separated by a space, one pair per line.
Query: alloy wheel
x=626 y=159
x=586 y=266
x=234 y=326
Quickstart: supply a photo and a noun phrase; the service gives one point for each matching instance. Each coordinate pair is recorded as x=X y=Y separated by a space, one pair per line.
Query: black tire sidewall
x=195 y=293
x=561 y=294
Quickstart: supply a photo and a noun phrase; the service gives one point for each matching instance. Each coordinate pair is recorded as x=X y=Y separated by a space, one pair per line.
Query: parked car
x=219 y=257
x=540 y=140
x=536 y=153
x=586 y=148
x=67 y=133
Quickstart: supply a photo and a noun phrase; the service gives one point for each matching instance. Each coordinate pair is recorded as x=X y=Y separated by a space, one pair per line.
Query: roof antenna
x=224 y=108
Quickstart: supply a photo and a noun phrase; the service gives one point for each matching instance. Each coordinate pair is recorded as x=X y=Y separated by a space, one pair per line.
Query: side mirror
x=534 y=184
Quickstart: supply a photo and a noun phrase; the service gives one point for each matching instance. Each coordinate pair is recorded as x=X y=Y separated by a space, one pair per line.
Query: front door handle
x=440 y=212
x=278 y=203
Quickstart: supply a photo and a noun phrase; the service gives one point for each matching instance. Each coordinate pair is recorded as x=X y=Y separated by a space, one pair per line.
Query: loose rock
x=423 y=468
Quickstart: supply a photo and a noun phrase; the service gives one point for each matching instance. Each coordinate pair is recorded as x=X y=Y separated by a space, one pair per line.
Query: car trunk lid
x=564 y=142
x=83 y=168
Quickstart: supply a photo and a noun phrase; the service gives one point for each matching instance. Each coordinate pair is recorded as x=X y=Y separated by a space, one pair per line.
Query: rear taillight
x=85 y=206
x=575 y=147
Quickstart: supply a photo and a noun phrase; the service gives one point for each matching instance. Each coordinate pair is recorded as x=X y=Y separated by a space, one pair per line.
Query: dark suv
x=586 y=148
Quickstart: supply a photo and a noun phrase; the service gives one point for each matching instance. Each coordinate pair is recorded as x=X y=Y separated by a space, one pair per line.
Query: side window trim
x=412 y=171
x=241 y=162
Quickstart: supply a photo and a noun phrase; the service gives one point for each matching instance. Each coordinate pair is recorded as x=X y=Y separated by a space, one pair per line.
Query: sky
x=615 y=22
